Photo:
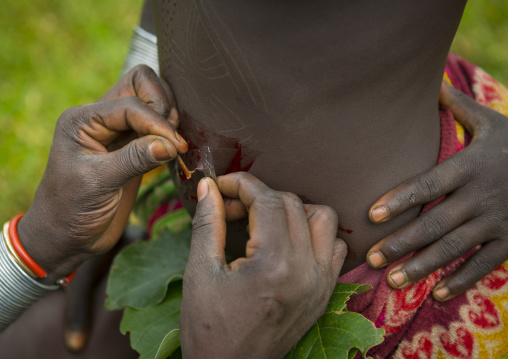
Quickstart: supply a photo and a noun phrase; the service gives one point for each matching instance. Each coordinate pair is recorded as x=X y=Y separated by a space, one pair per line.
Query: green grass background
x=56 y=54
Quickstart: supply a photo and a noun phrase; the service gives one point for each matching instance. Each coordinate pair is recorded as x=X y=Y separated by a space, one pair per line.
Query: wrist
x=42 y=245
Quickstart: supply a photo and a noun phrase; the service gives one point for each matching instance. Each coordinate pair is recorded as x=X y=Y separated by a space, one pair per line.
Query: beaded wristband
x=26 y=258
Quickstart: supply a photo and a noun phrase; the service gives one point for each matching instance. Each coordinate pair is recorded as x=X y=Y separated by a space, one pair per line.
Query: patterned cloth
x=472 y=325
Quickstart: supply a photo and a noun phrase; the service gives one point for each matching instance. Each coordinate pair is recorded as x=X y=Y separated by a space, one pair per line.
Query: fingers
x=448 y=175
x=102 y=122
x=141 y=81
x=464 y=109
x=440 y=253
x=340 y=252
x=78 y=311
x=434 y=183
x=136 y=158
x=208 y=227
x=484 y=261
x=298 y=228
x=267 y=213
x=328 y=251
x=422 y=231
x=235 y=210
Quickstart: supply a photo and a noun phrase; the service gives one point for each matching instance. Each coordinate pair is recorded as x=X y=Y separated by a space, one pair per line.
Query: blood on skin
x=348 y=231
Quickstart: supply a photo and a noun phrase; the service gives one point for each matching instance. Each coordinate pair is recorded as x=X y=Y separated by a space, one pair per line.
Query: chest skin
x=334 y=101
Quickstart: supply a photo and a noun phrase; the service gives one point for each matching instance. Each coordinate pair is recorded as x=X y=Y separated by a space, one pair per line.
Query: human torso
x=334 y=101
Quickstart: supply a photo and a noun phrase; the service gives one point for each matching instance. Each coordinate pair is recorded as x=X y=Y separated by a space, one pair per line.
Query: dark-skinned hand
x=257 y=306
x=475 y=211
x=91 y=179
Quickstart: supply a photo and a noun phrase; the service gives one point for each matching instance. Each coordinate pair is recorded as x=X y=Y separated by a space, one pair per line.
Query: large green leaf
x=151 y=329
x=169 y=344
x=140 y=274
x=338 y=333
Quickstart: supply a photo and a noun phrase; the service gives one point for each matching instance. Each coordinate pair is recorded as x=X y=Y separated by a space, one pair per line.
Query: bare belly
x=333 y=102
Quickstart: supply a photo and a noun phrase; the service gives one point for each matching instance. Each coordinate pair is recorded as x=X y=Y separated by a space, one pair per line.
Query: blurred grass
x=56 y=54
x=53 y=55
x=482 y=37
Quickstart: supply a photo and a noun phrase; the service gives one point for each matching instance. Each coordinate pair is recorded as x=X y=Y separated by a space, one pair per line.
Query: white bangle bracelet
x=18 y=290
x=143 y=50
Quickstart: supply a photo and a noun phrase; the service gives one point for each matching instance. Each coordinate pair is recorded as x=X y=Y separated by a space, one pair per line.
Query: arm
x=143 y=47
x=91 y=179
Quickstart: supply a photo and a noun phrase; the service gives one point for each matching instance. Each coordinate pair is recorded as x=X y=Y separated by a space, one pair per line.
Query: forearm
x=143 y=46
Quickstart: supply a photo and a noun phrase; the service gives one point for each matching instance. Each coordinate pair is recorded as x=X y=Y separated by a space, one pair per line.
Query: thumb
x=138 y=157
x=339 y=256
x=463 y=107
x=208 y=226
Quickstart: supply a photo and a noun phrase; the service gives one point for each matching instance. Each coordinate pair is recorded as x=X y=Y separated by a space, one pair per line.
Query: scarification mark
x=211 y=15
x=227 y=108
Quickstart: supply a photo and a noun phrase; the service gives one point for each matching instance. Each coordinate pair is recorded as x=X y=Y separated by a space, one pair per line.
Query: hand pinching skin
x=97 y=156
x=277 y=291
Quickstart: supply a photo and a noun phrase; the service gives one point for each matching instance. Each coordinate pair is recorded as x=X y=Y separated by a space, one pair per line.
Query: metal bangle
x=18 y=290
x=143 y=50
x=14 y=254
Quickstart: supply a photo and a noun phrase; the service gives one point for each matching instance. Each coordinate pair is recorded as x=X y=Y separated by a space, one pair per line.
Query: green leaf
x=338 y=332
x=150 y=329
x=140 y=274
x=169 y=344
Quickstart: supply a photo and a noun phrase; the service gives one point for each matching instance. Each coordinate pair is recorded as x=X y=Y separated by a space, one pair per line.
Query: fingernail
x=180 y=139
x=379 y=214
x=441 y=293
x=75 y=341
x=376 y=259
x=399 y=278
x=158 y=151
x=202 y=189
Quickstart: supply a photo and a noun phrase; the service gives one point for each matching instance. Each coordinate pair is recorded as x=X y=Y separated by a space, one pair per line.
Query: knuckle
x=133 y=102
x=270 y=201
x=70 y=119
x=476 y=164
x=480 y=267
x=144 y=69
x=291 y=200
x=135 y=161
x=202 y=222
x=426 y=187
x=431 y=226
x=280 y=273
x=244 y=177
x=326 y=215
x=451 y=246
x=273 y=308
x=405 y=200
x=396 y=248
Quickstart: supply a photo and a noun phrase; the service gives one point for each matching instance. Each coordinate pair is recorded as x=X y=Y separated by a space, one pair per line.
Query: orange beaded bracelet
x=25 y=257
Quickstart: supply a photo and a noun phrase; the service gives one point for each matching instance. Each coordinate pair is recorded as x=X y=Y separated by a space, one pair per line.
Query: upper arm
x=146 y=20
